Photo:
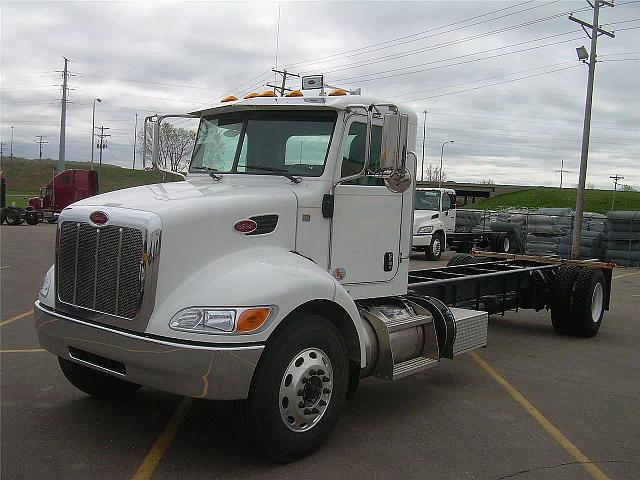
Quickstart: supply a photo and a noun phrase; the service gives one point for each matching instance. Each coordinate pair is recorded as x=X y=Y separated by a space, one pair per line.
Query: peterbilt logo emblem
x=245 y=226
x=99 y=217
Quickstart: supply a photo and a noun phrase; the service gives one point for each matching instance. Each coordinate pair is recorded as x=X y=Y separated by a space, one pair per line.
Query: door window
x=353 y=159
x=446 y=202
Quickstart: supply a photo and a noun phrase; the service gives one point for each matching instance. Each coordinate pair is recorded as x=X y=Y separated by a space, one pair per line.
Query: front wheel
x=96 y=384
x=298 y=390
x=434 y=251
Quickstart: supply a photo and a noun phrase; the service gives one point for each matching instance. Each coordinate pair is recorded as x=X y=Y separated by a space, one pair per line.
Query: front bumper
x=421 y=240
x=189 y=369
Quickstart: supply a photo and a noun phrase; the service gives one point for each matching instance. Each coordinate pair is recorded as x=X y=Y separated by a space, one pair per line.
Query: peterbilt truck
x=276 y=275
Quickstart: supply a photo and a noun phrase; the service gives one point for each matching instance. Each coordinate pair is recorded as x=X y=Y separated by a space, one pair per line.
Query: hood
x=422 y=218
x=198 y=220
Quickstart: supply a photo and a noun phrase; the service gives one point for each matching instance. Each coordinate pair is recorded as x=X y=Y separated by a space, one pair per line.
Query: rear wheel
x=298 y=390
x=31 y=218
x=588 y=302
x=434 y=251
x=502 y=243
x=96 y=384
x=561 y=301
x=13 y=218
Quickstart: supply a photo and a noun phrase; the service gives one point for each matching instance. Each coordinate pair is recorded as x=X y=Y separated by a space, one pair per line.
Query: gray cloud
x=145 y=57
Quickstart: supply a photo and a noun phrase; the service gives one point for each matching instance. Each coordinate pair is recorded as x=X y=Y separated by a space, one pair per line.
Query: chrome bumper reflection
x=219 y=373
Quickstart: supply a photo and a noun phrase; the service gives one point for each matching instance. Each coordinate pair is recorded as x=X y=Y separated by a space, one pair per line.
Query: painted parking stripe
x=151 y=461
x=17 y=317
x=626 y=274
x=551 y=429
x=24 y=350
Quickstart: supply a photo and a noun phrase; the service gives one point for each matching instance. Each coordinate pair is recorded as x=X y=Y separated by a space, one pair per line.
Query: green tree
x=176 y=145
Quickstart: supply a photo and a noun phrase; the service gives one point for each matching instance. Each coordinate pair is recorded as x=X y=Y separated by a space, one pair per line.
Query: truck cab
x=434 y=218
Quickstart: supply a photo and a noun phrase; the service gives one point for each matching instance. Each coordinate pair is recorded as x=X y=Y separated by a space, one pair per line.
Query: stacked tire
x=623 y=238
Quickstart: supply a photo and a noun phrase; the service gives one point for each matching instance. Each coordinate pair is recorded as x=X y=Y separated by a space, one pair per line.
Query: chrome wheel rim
x=436 y=246
x=507 y=245
x=305 y=390
x=597 y=302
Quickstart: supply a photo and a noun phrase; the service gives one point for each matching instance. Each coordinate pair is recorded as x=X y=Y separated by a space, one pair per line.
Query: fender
x=270 y=276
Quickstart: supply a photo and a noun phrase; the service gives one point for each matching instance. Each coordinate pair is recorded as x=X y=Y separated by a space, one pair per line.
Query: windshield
x=428 y=200
x=264 y=142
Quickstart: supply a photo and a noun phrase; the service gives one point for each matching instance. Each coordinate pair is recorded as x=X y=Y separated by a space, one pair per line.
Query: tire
x=96 y=384
x=502 y=243
x=460 y=259
x=434 y=251
x=310 y=354
x=31 y=218
x=588 y=302
x=13 y=218
x=561 y=300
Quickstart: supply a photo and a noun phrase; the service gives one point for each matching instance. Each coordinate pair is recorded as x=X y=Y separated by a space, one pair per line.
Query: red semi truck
x=63 y=190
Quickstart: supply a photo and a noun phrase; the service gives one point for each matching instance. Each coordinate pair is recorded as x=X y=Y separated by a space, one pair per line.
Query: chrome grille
x=100 y=269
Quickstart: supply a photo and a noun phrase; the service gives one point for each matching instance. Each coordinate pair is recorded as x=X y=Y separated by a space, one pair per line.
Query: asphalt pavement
x=532 y=405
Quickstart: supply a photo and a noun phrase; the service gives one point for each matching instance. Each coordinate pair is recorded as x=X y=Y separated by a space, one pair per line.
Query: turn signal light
x=268 y=93
x=229 y=98
x=251 y=95
x=294 y=93
x=337 y=92
x=252 y=319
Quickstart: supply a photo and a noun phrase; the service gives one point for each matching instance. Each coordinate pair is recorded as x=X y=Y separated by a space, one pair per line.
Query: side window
x=65 y=180
x=353 y=159
x=453 y=200
x=446 y=202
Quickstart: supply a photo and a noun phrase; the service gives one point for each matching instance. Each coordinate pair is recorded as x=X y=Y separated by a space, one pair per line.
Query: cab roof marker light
x=294 y=93
x=252 y=95
x=229 y=98
x=268 y=93
x=338 y=92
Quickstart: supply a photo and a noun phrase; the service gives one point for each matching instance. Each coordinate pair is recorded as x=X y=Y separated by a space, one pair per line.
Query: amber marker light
x=268 y=93
x=252 y=319
x=294 y=93
x=229 y=98
x=337 y=92
x=251 y=95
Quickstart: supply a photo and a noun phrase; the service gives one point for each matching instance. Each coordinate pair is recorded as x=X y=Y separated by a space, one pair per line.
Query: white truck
x=277 y=273
x=434 y=219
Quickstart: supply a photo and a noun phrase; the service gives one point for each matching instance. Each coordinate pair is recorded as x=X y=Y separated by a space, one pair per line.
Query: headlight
x=427 y=229
x=46 y=285
x=204 y=320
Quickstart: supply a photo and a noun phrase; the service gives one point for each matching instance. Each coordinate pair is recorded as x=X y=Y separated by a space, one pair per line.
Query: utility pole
x=283 y=86
x=562 y=171
x=93 y=127
x=135 y=141
x=424 y=137
x=40 y=141
x=2 y=145
x=63 y=117
x=596 y=31
x=102 y=144
x=615 y=179
x=11 y=148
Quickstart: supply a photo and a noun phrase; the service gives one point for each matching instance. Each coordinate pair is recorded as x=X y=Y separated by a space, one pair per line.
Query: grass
x=25 y=175
x=594 y=200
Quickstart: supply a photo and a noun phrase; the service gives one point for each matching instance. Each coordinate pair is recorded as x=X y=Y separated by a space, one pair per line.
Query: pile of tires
x=545 y=229
x=468 y=220
x=623 y=238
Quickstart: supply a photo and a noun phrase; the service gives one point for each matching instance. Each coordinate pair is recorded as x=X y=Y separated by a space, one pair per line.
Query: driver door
x=365 y=230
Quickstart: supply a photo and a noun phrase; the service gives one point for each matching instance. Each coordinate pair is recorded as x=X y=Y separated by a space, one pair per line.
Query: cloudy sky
x=499 y=78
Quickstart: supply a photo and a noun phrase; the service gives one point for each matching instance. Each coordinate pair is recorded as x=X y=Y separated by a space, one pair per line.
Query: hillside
x=22 y=176
x=594 y=201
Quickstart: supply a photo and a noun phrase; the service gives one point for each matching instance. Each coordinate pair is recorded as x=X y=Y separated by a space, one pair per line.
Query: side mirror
x=393 y=154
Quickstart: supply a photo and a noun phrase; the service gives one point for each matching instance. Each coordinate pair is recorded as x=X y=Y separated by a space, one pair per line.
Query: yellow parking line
x=626 y=274
x=151 y=461
x=557 y=435
x=24 y=350
x=17 y=317
x=5 y=266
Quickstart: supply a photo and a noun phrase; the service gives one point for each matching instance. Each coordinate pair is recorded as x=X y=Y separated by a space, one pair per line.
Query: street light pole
x=441 y=155
x=93 y=127
x=424 y=137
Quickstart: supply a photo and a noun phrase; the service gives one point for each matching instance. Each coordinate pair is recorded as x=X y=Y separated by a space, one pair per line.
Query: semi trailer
x=276 y=274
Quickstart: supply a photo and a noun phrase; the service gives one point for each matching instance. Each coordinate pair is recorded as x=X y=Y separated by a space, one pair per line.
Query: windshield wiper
x=211 y=171
x=278 y=171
